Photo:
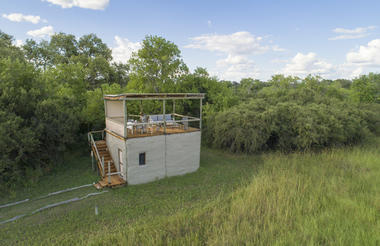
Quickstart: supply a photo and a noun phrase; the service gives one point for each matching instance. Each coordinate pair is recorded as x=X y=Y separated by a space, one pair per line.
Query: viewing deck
x=123 y=124
x=135 y=130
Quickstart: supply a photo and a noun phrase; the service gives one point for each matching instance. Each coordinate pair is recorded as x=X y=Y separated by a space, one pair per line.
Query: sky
x=231 y=39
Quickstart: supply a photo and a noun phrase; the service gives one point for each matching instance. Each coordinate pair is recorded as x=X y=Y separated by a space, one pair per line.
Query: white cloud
x=124 y=48
x=304 y=64
x=235 y=43
x=366 y=55
x=363 y=60
x=357 y=30
x=277 y=48
x=17 y=17
x=237 y=67
x=348 y=71
x=349 y=36
x=238 y=47
x=278 y=60
x=355 y=33
x=209 y=23
x=86 y=4
x=19 y=42
x=42 y=32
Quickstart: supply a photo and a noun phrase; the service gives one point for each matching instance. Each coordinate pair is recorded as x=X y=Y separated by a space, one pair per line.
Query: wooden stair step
x=104 y=154
x=112 y=168
x=116 y=180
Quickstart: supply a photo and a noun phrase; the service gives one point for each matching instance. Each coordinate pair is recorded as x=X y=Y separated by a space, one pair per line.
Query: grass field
x=328 y=198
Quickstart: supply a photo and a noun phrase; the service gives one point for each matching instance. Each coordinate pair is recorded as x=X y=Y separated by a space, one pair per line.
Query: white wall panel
x=114 y=144
x=154 y=169
x=182 y=153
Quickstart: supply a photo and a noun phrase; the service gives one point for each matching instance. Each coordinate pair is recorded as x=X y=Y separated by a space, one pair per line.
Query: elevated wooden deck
x=115 y=180
x=155 y=131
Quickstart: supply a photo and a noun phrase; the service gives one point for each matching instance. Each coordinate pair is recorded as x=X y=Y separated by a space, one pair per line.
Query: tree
x=39 y=54
x=7 y=49
x=90 y=46
x=94 y=56
x=249 y=87
x=157 y=66
x=20 y=91
x=63 y=48
x=366 y=88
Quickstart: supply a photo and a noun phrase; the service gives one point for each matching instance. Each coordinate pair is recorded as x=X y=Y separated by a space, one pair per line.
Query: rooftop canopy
x=154 y=96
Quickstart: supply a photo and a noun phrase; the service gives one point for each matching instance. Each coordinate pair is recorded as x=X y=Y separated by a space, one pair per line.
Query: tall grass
x=327 y=198
x=331 y=198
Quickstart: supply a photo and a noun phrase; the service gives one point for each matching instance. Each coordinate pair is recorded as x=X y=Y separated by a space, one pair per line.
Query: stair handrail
x=111 y=174
x=102 y=163
x=109 y=171
x=114 y=173
x=96 y=150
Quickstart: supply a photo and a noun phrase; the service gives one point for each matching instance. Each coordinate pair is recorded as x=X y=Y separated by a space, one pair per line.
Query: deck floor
x=156 y=131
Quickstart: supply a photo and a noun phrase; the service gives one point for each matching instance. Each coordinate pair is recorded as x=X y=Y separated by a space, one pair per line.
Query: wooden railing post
x=103 y=166
x=200 y=114
x=109 y=172
x=92 y=160
x=125 y=110
x=164 y=104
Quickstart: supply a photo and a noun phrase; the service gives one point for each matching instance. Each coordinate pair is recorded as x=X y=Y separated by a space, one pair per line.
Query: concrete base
x=166 y=155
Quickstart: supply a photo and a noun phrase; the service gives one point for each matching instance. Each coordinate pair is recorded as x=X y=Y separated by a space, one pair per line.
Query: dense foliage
x=51 y=95
x=289 y=114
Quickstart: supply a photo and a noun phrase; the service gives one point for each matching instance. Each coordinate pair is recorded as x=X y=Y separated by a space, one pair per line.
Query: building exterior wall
x=182 y=153
x=114 y=144
x=115 y=126
x=114 y=109
x=166 y=155
x=154 y=148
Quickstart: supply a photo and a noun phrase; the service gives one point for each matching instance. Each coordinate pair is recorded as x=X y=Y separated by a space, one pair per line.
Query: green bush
x=261 y=124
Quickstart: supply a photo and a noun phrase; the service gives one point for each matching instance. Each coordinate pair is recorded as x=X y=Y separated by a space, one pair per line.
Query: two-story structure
x=141 y=148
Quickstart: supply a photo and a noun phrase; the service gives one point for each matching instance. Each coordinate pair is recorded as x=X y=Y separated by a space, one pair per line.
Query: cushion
x=153 y=117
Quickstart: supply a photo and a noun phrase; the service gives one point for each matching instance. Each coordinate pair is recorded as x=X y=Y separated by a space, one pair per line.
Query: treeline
x=288 y=114
x=51 y=96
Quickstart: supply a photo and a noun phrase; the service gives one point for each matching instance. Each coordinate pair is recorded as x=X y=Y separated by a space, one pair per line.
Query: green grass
x=329 y=198
x=74 y=171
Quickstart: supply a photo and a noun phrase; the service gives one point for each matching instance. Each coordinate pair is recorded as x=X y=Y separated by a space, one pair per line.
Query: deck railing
x=133 y=127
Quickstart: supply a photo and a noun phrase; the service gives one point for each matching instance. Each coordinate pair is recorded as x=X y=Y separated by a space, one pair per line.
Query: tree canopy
x=157 y=66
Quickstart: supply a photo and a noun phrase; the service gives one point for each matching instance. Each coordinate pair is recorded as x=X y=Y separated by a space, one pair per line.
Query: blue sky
x=232 y=39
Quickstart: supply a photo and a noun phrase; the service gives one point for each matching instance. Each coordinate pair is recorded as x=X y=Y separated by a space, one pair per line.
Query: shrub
x=260 y=125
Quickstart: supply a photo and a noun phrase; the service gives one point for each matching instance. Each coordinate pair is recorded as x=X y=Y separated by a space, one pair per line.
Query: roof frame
x=153 y=96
